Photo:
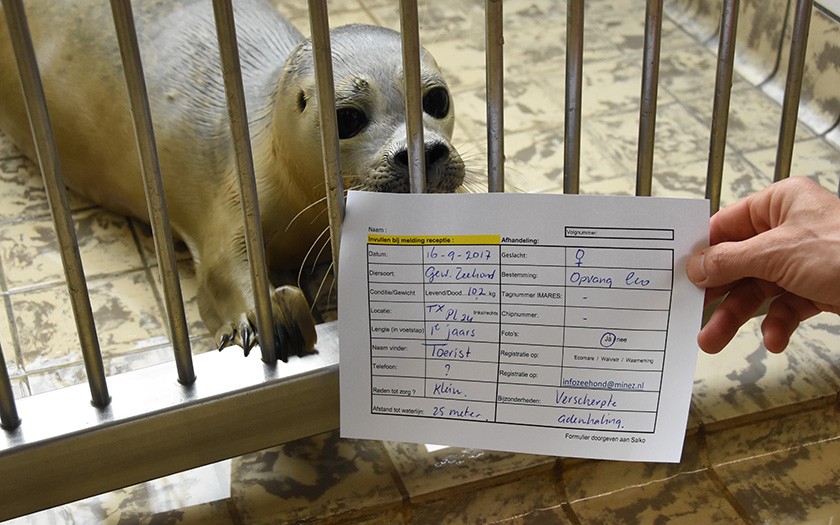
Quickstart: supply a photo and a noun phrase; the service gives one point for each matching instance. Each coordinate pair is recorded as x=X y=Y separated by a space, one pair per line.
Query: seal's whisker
x=332 y=285
x=321 y=286
x=321 y=251
x=308 y=253
x=304 y=210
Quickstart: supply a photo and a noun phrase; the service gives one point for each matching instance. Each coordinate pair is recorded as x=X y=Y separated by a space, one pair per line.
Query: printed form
x=546 y=324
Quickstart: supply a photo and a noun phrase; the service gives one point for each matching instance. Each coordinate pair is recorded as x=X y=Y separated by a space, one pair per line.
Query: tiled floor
x=763 y=440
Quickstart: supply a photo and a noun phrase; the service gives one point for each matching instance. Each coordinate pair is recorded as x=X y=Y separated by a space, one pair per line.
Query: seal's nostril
x=402 y=157
x=436 y=152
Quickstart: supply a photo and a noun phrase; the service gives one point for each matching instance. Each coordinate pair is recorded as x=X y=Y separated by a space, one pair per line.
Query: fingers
x=785 y=314
x=737 y=308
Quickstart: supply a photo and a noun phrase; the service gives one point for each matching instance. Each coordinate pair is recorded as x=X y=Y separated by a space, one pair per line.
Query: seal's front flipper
x=293 y=326
x=293 y=322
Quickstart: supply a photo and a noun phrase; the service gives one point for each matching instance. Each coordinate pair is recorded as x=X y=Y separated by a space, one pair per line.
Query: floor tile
x=753 y=123
x=311 y=478
x=688 y=498
x=22 y=191
x=761 y=24
x=773 y=435
x=587 y=480
x=680 y=139
x=6 y=342
x=690 y=73
x=7 y=147
x=437 y=20
x=747 y=379
x=699 y=18
x=624 y=25
x=800 y=484
x=535 y=162
x=424 y=473
x=614 y=86
x=819 y=105
x=814 y=158
x=30 y=254
x=688 y=179
x=125 y=311
x=297 y=10
x=532 y=499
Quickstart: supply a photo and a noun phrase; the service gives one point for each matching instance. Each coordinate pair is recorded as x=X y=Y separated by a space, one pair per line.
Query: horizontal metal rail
x=156 y=426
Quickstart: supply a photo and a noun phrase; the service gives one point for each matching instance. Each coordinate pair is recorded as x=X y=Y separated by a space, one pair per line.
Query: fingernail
x=695 y=268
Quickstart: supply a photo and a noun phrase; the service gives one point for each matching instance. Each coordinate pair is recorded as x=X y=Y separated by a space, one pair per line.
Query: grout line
x=566 y=506
x=716 y=480
x=769 y=414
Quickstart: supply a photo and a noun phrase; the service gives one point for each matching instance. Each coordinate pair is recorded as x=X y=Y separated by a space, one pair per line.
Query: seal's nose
x=435 y=152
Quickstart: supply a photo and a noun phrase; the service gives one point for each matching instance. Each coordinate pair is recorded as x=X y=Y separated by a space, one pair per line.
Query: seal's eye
x=436 y=102
x=301 y=101
x=350 y=122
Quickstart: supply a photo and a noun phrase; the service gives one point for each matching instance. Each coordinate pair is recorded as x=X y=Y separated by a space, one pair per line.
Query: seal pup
x=79 y=59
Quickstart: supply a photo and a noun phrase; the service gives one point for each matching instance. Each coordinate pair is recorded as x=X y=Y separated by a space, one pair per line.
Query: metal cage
x=65 y=445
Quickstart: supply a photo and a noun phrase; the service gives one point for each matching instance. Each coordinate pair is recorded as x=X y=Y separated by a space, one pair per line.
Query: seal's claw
x=225 y=336
x=247 y=334
x=293 y=326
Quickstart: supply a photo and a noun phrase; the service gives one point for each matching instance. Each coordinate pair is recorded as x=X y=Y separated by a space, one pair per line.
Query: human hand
x=783 y=243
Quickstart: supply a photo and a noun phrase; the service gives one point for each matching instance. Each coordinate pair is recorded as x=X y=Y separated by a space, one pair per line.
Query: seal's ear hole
x=350 y=122
x=301 y=101
x=436 y=102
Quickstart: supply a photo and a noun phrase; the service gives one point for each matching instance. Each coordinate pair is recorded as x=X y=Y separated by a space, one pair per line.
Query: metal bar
x=413 y=98
x=322 y=54
x=494 y=40
x=9 y=419
x=226 y=30
x=155 y=198
x=45 y=147
x=793 y=88
x=235 y=408
x=720 y=111
x=574 y=92
x=650 y=88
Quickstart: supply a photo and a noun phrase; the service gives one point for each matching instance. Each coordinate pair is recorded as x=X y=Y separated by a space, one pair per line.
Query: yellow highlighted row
x=433 y=239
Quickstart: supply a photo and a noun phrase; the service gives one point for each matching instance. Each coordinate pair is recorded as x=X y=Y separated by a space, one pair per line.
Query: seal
x=79 y=59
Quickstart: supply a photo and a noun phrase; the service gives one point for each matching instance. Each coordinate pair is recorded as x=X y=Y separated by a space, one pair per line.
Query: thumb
x=725 y=263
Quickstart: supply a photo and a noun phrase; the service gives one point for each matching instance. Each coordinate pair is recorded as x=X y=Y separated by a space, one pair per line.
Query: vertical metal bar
x=574 y=92
x=793 y=88
x=720 y=111
x=409 y=26
x=9 y=419
x=495 y=96
x=155 y=198
x=45 y=147
x=226 y=30
x=322 y=54
x=650 y=88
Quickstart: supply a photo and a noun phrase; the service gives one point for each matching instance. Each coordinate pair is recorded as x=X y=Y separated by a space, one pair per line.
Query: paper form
x=548 y=324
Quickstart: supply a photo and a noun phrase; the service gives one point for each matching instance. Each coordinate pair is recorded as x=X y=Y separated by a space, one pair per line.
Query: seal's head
x=370 y=106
